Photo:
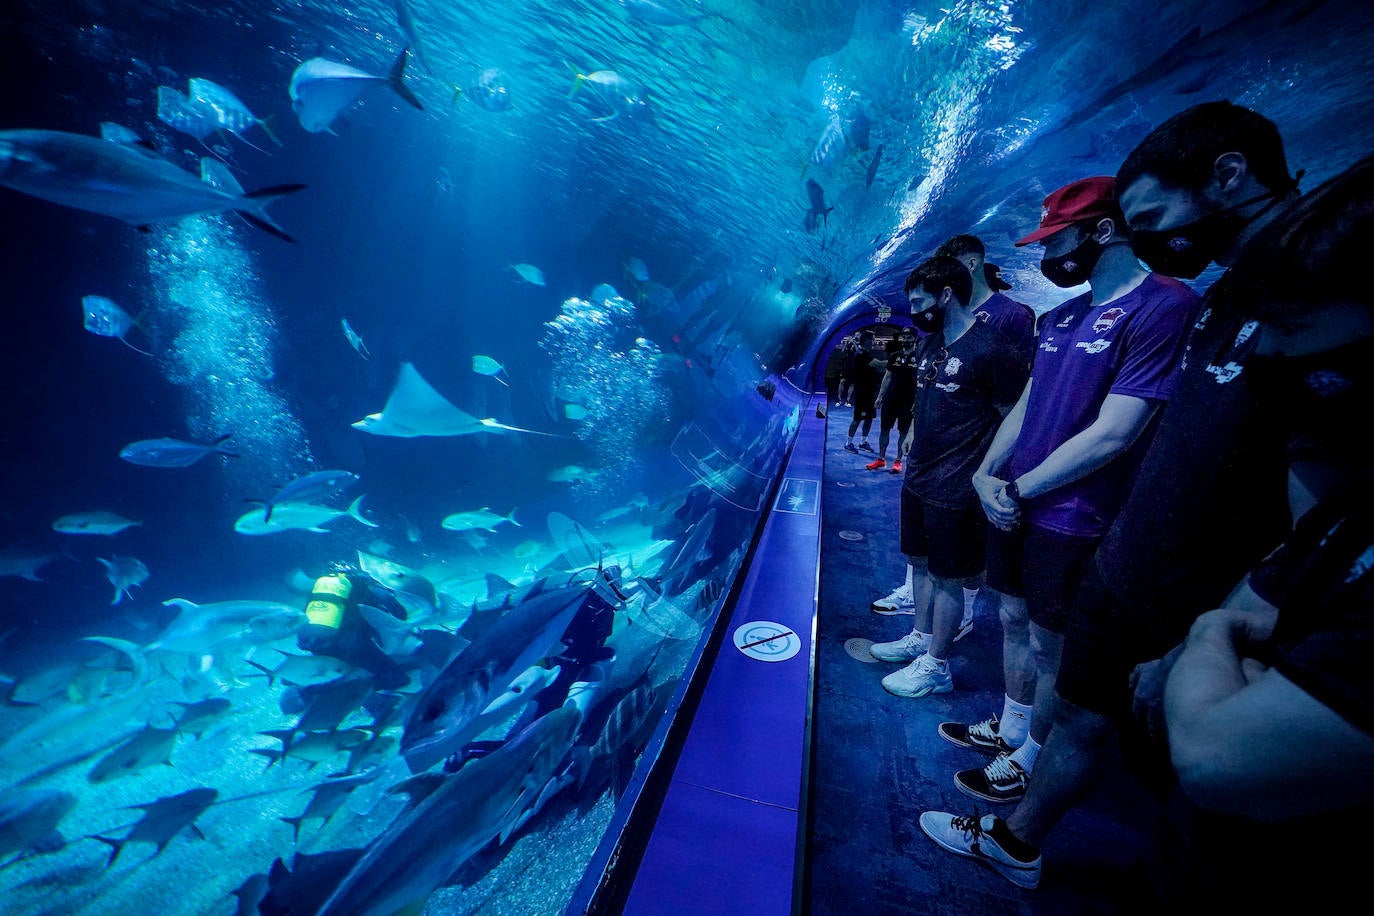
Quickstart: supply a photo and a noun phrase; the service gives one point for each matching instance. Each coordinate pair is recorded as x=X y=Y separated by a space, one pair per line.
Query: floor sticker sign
x=767 y=641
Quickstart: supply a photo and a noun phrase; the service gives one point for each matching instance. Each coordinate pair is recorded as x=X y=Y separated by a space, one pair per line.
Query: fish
x=26 y=564
x=454 y=817
x=328 y=704
x=198 y=628
x=163 y=820
x=442 y=716
x=172 y=453
x=29 y=819
x=574 y=411
x=570 y=473
x=148 y=747
x=321 y=89
x=406 y=20
x=354 y=340
x=250 y=893
x=225 y=109
x=873 y=167
x=416 y=409
x=832 y=146
x=317 y=485
x=818 y=212
x=475 y=541
x=298 y=517
x=124 y=573
x=614 y=94
x=482 y=518
x=485 y=365
x=125 y=182
x=489 y=90
x=179 y=112
x=529 y=273
x=857 y=128
x=526 y=550
x=301 y=670
x=196 y=716
x=395 y=576
x=118 y=133
x=98 y=521
x=328 y=797
x=636 y=270
x=105 y=318
x=313 y=747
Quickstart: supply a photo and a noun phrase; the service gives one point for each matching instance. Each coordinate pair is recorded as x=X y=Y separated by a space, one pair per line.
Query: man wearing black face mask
x=1053 y=477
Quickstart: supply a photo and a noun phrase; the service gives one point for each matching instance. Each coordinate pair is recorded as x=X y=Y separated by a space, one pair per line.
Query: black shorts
x=1106 y=640
x=954 y=541
x=898 y=416
x=1048 y=582
x=863 y=406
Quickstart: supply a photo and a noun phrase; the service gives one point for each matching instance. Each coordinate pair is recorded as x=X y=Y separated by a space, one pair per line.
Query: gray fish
x=196 y=716
x=313 y=747
x=103 y=317
x=250 y=893
x=818 y=213
x=26 y=564
x=873 y=166
x=172 y=453
x=225 y=109
x=328 y=797
x=29 y=818
x=126 y=182
x=317 y=485
x=148 y=747
x=98 y=521
x=328 y=704
x=162 y=820
x=444 y=712
x=124 y=573
x=321 y=89
x=300 y=670
x=487 y=799
x=615 y=95
x=179 y=112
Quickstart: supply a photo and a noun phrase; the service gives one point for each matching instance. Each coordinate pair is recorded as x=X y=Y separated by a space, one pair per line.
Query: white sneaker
x=919 y=679
x=909 y=648
x=972 y=837
x=900 y=601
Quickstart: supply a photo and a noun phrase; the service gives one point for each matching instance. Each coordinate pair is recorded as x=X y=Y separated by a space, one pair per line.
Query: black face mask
x=1186 y=250
x=931 y=321
x=1320 y=399
x=1069 y=270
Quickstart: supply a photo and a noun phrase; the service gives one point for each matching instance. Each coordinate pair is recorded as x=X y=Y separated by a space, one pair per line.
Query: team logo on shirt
x=1107 y=319
x=1068 y=320
x=982 y=316
x=1095 y=346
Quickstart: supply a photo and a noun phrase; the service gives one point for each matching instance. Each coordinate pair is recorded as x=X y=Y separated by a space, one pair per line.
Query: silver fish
x=299 y=517
x=228 y=112
x=162 y=820
x=104 y=318
x=126 y=182
x=317 y=485
x=321 y=89
x=95 y=522
x=29 y=818
x=124 y=573
x=150 y=746
x=172 y=453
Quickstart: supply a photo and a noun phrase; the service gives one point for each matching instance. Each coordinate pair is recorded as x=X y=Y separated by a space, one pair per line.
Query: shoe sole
x=994 y=799
x=898 y=659
x=889 y=611
x=921 y=694
x=1026 y=878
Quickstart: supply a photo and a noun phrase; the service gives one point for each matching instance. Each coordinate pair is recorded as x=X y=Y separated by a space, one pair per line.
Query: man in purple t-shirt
x=1056 y=472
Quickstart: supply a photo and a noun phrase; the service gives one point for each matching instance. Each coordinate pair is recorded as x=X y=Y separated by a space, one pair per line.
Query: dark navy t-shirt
x=963 y=390
x=1086 y=350
x=1013 y=320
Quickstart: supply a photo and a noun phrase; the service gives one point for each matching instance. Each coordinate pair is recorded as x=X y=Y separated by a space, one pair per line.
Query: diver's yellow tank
x=328 y=598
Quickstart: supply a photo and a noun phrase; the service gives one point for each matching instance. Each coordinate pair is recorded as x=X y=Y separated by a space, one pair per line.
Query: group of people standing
x=1165 y=495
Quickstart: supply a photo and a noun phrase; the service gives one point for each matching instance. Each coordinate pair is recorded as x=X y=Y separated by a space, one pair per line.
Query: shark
x=416 y=409
x=120 y=180
x=26 y=564
x=453 y=817
x=445 y=713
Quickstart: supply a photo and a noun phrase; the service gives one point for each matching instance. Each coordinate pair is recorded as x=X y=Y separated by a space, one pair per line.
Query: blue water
x=408 y=228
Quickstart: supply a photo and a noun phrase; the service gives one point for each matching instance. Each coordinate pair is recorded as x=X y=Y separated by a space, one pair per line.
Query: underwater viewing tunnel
x=434 y=481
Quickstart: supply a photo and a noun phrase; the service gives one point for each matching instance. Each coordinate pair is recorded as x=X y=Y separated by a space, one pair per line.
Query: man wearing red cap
x=1056 y=472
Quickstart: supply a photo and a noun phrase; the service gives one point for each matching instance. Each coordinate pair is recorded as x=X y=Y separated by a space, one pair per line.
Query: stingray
x=416 y=409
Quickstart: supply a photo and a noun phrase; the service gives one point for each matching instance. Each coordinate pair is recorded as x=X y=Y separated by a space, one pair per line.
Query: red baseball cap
x=1085 y=199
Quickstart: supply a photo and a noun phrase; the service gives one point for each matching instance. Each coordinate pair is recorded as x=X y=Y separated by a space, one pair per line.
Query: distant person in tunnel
x=895 y=397
x=1213 y=493
x=1058 y=468
x=849 y=354
x=868 y=375
x=967 y=377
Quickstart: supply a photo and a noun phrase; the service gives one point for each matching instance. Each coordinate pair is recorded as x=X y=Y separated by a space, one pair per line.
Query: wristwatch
x=1013 y=491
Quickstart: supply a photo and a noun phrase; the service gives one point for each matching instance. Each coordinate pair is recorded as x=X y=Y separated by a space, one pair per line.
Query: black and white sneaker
x=982 y=736
x=1002 y=781
x=851 y=447
x=971 y=836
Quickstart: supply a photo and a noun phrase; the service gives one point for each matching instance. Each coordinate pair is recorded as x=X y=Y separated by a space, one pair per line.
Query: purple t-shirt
x=1013 y=320
x=1086 y=351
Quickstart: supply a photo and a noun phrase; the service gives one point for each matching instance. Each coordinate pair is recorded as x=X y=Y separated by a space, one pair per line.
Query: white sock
x=910 y=574
x=1026 y=754
x=1013 y=726
x=970 y=596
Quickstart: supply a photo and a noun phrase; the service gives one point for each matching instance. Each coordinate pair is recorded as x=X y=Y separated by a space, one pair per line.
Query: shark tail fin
x=256 y=203
x=395 y=77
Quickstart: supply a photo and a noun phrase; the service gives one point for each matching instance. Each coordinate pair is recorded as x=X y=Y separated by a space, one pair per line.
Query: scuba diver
x=335 y=626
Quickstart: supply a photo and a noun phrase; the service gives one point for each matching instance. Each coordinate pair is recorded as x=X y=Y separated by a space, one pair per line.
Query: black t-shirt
x=866 y=378
x=901 y=389
x=1210 y=497
x=963 y=390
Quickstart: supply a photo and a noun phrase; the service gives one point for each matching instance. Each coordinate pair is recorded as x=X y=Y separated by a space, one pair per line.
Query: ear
x=1105 y=230
x=1230 y=171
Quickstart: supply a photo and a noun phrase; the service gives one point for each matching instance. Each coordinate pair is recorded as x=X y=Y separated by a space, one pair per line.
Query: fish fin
x=578 y=77
x=262 y=122
x=257 y=214
x=394 y=80
x=115 y=847
x=271 y=675
x=355 y=510
x=132 y=347
x=457 y=94
x=295 y=823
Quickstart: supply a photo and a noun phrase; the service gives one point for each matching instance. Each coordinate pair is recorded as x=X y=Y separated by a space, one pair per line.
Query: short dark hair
x=942 y=271
x=959 y=246
x=1181 y=151
x=1310 y=256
